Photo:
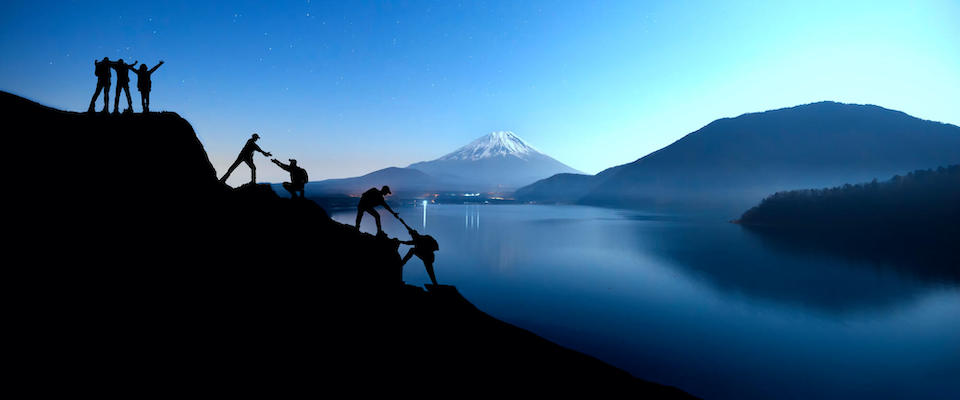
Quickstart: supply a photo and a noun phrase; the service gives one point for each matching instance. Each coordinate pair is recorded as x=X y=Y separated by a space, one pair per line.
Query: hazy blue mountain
x=400 y=180
x=737 y=161
x=496 y=161
x=564 y=188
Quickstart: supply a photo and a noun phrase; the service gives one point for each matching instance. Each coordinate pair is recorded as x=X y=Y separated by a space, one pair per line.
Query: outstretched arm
x=257 y=148
x=387 y=206
x=280 y=164
x=156 y=66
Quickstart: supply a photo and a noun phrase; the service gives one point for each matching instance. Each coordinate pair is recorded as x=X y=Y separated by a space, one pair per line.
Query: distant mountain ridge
x=404 y=180
x=738 y=161
x=499 y=161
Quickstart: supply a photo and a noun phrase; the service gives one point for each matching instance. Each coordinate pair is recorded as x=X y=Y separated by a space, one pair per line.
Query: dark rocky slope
x=131 y=266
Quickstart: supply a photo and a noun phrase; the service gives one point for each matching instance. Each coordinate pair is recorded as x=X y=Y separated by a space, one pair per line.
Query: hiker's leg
x=106 y=97
x=230 y=170
x=126 y=89
x=253 y=171
x=146 y=101
x=116 y=98
x=93 y=101
x=359 y=217
x=289 y=187
x=407 y=257
x=429 y=266
x=376 y=217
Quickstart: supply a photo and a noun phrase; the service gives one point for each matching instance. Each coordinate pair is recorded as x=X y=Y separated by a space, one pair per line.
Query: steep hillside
x=139 y=271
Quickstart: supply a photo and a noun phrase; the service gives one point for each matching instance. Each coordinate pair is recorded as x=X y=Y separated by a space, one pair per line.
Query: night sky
x=350 y=87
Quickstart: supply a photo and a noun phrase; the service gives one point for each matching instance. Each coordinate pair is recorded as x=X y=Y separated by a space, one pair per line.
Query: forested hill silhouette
x=923 y=200
x=914 y=218
x=132 y=267
x=738 y=161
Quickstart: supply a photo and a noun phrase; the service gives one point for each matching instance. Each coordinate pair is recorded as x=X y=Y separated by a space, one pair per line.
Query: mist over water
x=696 y=302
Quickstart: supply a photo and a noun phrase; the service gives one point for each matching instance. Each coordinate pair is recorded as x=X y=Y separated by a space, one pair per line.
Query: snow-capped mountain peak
x=501 y=143
x=496 y=161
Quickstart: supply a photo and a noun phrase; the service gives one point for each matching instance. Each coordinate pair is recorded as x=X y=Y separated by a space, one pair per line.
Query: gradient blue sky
x=354 y=86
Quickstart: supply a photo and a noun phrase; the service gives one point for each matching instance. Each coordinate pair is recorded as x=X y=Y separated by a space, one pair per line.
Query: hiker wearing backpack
x=423 y=248
x=102 y=70
x=298 y=177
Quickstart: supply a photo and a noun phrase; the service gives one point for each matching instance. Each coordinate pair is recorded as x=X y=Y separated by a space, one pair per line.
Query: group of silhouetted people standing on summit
x=102 y=71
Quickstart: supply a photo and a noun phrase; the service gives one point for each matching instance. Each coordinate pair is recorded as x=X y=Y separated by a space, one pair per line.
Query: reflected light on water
x=471 y=217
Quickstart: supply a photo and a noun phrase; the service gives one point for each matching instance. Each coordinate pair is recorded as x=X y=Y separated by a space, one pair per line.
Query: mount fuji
x=499 y=161
x=496 y=162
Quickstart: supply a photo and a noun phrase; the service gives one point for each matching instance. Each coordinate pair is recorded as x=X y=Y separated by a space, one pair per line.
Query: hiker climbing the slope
x=423 y=248
x=246 y=156
x=298 y=177
x=368 y=203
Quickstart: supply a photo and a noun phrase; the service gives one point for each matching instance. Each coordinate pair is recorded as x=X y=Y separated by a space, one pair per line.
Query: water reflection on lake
x=698 y=303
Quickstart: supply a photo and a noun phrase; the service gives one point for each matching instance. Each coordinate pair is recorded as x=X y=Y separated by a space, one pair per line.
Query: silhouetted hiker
x=369 y=200
x=102 y=70
x=143 y=84
x=246 y=155
x=423 y=248
x=298 y=177
x=123 y=83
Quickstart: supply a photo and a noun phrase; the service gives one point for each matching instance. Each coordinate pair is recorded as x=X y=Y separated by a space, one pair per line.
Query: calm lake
x=696 y=302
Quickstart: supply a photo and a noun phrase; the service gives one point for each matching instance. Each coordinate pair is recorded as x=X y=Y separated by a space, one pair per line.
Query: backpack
x=427 y=242
x=299 y=175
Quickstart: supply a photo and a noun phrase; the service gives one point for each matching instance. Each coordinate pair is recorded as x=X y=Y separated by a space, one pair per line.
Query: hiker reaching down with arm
x=369 y=201
x=246 y=156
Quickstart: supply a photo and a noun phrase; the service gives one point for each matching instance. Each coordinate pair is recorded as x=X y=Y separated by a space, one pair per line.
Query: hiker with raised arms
x=144 y=83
